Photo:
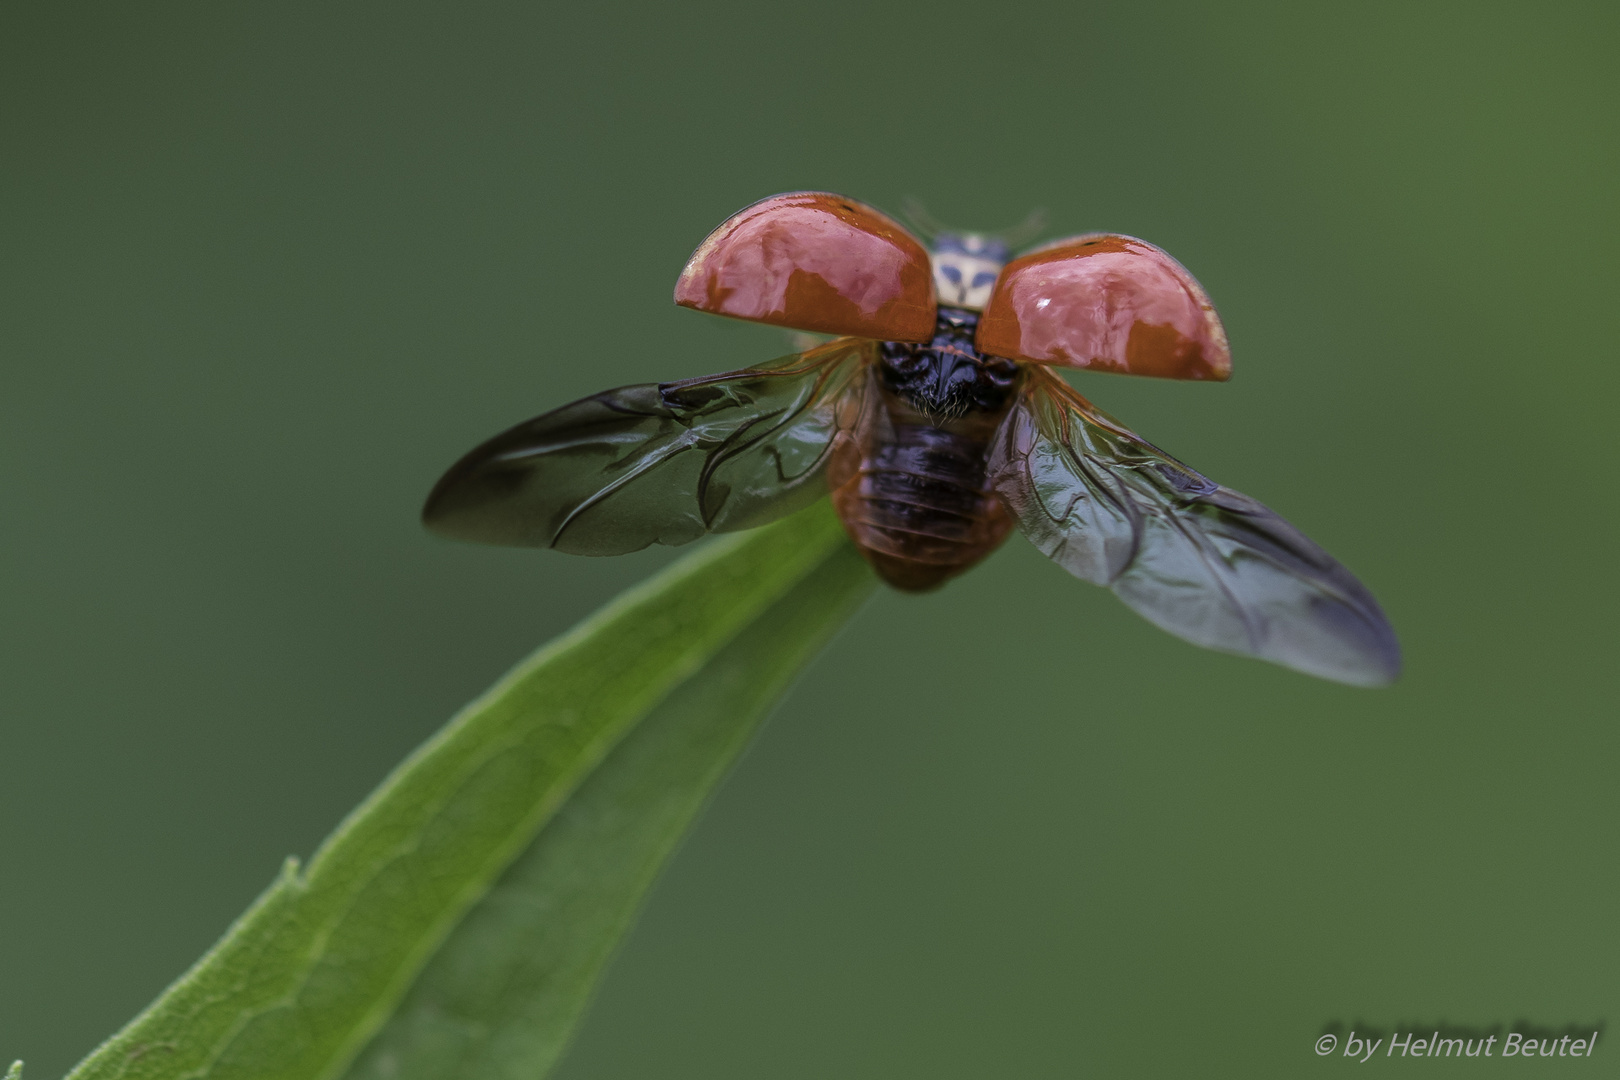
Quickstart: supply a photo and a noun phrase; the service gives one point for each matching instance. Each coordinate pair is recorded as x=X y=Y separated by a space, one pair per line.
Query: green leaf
x=15 y=1072
x=320 y=962
x=507 y=988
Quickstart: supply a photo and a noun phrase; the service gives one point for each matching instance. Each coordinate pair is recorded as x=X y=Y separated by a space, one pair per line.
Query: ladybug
x=935 y=421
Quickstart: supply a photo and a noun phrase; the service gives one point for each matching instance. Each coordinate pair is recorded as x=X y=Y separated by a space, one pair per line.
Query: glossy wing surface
x=1108 y=303
x=660 y=463
x=1202 y=561
x=811 y=260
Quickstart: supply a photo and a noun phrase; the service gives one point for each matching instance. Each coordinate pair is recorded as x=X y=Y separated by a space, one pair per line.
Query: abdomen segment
x=917 y=506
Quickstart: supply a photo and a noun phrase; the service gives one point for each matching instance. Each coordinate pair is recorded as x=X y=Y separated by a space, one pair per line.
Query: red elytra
x=815 y=261
x=1108 y=303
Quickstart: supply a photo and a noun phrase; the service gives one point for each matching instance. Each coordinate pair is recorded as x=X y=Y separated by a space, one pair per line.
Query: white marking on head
x=964 y=279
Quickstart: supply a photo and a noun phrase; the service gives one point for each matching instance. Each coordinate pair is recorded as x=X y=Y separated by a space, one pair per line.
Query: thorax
x=946 y=383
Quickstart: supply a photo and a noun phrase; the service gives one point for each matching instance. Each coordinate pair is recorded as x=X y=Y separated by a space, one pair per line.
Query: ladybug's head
x=965 y=267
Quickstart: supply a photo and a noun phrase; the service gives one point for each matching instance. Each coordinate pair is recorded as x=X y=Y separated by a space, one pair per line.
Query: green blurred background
x=265 y=270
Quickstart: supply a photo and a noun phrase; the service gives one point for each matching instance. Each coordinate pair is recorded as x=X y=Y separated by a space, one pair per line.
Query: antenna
x=1032 y=226
x=929 y=227
x=920 y=220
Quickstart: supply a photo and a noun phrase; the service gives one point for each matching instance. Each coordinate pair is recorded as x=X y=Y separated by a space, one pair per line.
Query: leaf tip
x=15 y=1072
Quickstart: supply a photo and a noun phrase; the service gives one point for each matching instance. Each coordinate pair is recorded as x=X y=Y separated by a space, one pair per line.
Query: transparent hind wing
x=660 y=463
x=1201 y=561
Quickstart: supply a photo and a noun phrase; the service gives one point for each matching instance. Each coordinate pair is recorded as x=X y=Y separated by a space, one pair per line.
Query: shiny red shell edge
x=1108 y=303
x=815 y=261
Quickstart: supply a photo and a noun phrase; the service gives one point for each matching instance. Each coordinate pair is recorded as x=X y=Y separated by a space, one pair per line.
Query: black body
x=920 y=505
x=947 y=378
